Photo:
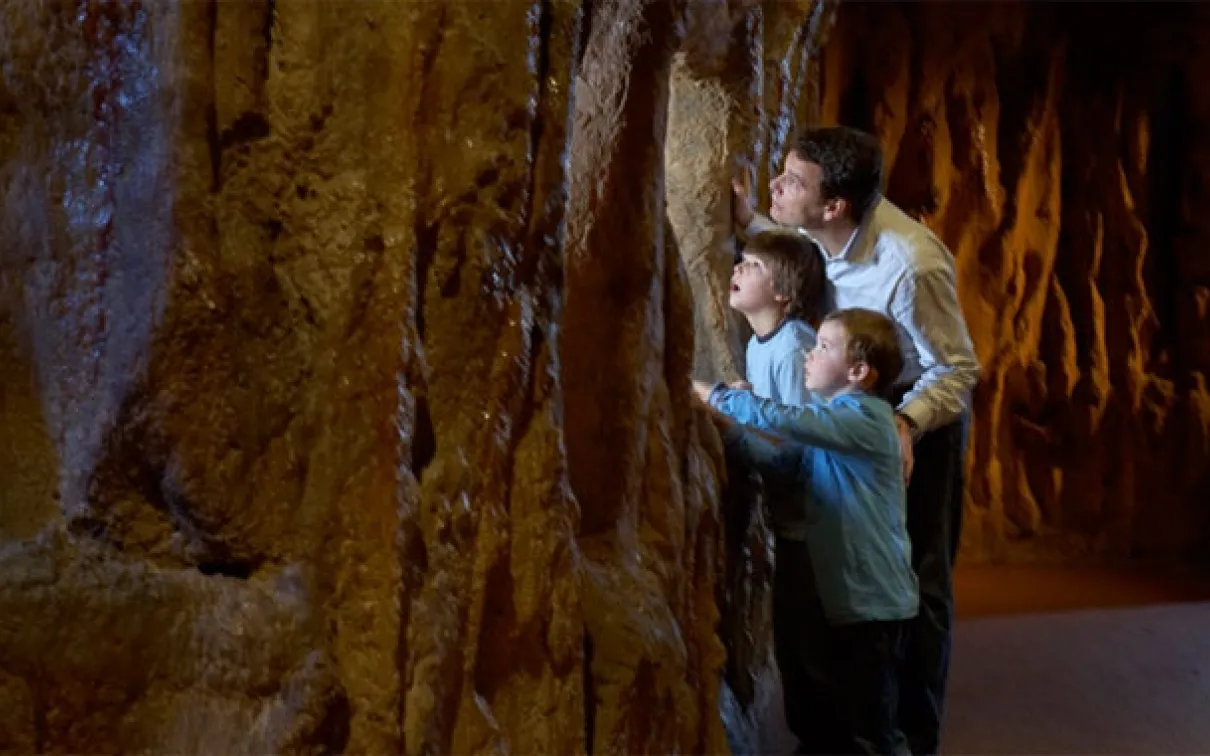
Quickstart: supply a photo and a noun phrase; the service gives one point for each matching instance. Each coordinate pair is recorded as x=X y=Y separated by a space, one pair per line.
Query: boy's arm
x=757 y=448
x=765 y=453
x=839 y=428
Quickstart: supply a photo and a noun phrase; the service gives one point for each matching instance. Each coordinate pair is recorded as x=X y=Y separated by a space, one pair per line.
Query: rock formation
x=1060 y=154
x=317 y=434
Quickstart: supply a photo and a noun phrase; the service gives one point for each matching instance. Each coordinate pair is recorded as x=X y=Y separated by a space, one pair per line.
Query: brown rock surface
x=1060 y=153
x=289 y=458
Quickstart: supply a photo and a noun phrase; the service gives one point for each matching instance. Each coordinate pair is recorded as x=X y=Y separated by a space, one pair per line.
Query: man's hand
x=741 y=200
x=703 y=390
x=740 y=385
x=905 y=445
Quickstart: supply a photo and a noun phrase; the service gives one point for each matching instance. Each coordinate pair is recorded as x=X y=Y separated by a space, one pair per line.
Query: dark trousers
x=934 y=523
x=839 y=683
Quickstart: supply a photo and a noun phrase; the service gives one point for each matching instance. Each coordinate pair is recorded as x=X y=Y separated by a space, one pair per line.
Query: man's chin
x=781 y=217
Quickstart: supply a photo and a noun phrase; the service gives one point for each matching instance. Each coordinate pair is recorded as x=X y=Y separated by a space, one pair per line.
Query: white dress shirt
x=898 y=267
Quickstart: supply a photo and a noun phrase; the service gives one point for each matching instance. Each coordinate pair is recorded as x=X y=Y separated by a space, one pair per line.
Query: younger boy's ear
x=862 y=374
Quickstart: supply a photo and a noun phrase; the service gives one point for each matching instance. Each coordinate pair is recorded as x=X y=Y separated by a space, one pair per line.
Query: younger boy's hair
x=872 y=339
x=796 y=268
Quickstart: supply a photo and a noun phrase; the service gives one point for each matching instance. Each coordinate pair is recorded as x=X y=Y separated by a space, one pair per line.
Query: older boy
x=779 y=288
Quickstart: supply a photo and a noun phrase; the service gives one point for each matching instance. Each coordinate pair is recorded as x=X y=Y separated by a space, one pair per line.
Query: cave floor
x=1066 y=661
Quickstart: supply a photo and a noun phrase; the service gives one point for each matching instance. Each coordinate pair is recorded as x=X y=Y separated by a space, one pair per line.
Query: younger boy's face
x=752 y=286
x=827 y=366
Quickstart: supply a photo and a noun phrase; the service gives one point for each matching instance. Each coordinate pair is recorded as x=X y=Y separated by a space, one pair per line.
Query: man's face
x=797 y=196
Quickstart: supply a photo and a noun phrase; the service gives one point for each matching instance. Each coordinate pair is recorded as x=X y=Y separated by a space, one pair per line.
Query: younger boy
x=841 y=696
x=779 y=288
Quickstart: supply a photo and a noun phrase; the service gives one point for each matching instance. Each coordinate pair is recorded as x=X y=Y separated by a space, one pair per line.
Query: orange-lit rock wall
x=1060 y=150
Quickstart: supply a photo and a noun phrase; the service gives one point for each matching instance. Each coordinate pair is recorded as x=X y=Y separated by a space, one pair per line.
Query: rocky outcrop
x=204 y=270
x=317 y=437
x=1066 y=176
x=644 y=465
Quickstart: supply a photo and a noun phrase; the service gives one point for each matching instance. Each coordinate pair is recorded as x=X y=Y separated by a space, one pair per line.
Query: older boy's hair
x=796 y=269
x=850 y=162
x=872 y=339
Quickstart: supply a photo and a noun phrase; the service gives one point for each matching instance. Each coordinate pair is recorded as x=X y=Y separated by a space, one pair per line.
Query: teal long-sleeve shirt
x=849 y=469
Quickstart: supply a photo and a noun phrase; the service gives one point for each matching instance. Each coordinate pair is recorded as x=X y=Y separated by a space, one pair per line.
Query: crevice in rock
x=215 y=150
x=590 y=696
x=247 y=128
x=586 y=15
x=1169 y=144
x=425 y=252
x=424 y=440
x=267 y=30
x=232 y=569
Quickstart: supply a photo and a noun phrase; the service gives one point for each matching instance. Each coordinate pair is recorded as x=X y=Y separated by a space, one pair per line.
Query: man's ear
x=862 y=374
x=837 y=207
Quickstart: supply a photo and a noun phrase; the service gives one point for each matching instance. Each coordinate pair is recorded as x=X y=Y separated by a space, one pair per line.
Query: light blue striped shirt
x=897 y=266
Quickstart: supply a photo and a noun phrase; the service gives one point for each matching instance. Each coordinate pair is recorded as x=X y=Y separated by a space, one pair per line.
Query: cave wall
x=345 y=405
x=1061 y=152
x=347 y=399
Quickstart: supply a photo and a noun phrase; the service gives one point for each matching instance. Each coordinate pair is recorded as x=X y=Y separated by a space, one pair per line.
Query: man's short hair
x=851 y=163
x=873 y=339
x=796 y=269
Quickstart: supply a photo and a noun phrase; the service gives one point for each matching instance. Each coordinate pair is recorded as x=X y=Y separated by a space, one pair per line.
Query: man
x=878 y=258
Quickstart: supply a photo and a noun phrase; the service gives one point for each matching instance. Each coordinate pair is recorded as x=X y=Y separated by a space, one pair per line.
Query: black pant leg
x=870 y=654
x=934 y=523
x=803 y=645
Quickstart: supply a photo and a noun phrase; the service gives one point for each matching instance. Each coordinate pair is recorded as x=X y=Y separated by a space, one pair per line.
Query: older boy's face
x=827 y=367
x=752 y=286
x=797 y=196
